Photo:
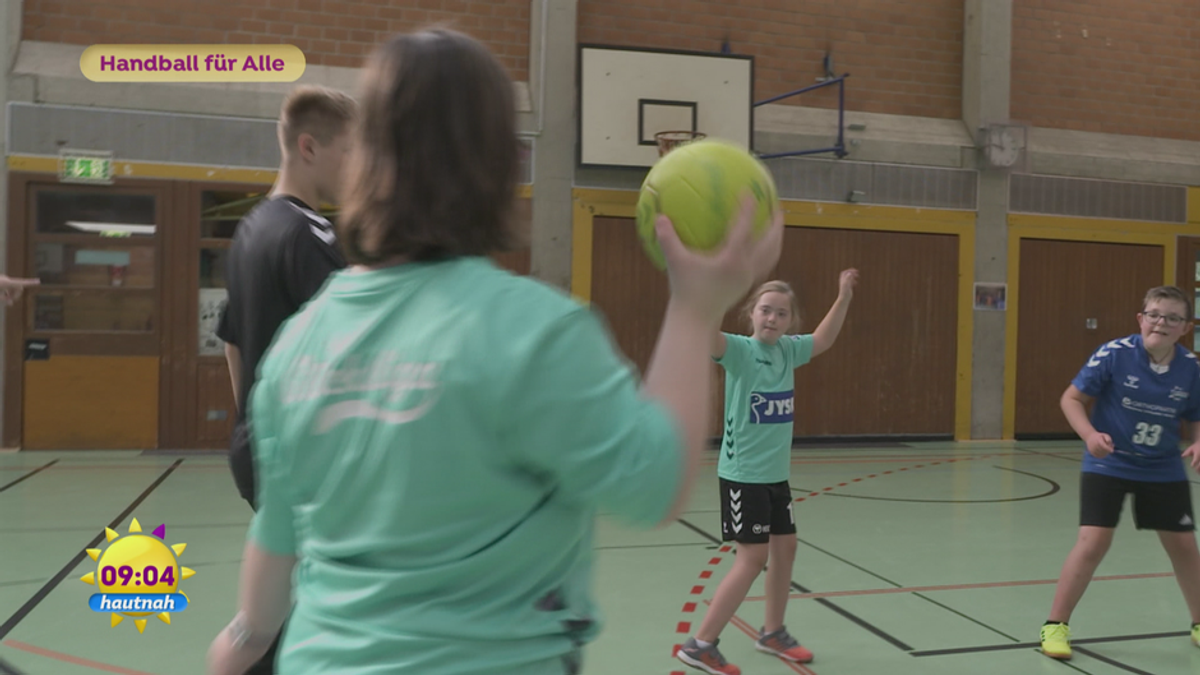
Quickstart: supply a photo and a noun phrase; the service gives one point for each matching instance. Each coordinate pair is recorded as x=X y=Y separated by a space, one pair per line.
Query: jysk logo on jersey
x=771 y=407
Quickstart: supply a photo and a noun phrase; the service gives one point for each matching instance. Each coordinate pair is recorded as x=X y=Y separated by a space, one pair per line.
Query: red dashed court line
x=818 y=493
x=684 y=627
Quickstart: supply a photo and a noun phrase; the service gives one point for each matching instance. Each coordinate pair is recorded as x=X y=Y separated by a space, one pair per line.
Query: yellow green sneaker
x=1056 y=640
x=1196 y=634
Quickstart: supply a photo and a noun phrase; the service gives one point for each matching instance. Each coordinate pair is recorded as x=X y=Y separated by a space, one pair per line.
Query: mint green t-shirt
x=760 y=382
x=433 y=442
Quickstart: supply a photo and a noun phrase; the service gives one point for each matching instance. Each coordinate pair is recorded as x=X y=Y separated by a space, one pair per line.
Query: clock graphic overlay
x=138 y=576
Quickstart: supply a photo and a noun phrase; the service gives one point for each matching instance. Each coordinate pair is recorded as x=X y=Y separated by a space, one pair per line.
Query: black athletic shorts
x=1156 y=506
x=752 y=512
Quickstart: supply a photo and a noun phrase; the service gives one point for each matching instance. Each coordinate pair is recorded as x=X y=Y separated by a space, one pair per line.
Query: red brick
x=923 y=40
x=1134 y=74
x=332 y=32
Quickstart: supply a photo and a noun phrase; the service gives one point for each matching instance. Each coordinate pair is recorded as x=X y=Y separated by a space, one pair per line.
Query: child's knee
x=753 y=554
x=783 y=547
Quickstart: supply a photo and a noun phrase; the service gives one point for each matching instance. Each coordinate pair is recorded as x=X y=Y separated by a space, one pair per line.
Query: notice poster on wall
x=212 y=303
x=991 y=296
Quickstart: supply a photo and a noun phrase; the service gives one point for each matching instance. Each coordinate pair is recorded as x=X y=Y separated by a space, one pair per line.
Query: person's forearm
x=1077 y=416
x=680 y=375
x=831 y=326
x=265 y=599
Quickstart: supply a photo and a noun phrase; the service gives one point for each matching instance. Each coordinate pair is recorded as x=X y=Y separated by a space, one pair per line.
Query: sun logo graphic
x=138 y=576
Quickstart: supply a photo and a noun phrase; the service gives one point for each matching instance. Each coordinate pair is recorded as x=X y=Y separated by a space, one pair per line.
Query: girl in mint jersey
x=755 y=464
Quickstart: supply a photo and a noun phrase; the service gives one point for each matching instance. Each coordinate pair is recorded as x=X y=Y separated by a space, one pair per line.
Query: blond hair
x=1168 y=293
x=775 y=286
x=321 y=112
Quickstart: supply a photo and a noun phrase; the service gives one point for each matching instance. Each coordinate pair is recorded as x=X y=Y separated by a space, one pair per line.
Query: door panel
x=1064 y=284
x=893 y=368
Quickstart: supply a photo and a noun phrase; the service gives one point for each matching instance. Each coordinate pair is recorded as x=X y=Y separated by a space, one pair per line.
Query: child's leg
x=779 y=579
x=1185 y=558
x=1077 y=571
x=1101 y=499
x=1167 y=508
x=747 y=565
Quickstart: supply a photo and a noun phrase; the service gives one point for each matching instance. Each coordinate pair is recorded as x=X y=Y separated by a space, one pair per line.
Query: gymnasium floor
x=925 y=558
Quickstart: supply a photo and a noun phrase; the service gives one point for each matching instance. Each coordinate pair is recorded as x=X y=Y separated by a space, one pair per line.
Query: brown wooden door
x=1067 y=287
x=892 y=371
x=1188 y=278
x=84 y=347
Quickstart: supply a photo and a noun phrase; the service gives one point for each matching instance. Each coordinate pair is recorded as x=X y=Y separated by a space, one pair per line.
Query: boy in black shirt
x=282 y=253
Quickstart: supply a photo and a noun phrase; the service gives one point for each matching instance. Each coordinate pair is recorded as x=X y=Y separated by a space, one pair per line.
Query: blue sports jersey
x=1140 y=409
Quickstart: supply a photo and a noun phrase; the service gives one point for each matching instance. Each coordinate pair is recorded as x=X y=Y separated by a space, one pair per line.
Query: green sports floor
x=922 y=558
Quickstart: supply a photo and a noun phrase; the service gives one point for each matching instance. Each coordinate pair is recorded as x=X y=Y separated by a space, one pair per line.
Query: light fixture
x=104 y=228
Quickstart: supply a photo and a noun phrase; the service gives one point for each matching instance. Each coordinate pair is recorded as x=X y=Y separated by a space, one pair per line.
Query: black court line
x=1037 y=645
x=972 y=619
x=847 y=562
x=1112 y=662
x=29 y=475
x=37 y=598
x=899 y=644
x=897 y=585
x=9 y=669
x=1078 y=460
x=1054 y=488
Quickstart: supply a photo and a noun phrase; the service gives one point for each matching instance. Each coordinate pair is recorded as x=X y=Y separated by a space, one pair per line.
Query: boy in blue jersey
x=1142 y=386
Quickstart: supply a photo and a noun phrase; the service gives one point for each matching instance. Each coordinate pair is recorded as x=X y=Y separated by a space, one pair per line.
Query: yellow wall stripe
x=168 y=171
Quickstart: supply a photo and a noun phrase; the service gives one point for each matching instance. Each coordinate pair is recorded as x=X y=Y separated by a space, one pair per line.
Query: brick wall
x=903 y=58
x=329 y=32
x=1109 y=66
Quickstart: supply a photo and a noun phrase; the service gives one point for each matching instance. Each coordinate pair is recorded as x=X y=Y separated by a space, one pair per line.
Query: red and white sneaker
x=782 y=644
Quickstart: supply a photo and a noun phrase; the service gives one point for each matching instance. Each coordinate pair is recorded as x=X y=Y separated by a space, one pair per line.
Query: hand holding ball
x=699 y=186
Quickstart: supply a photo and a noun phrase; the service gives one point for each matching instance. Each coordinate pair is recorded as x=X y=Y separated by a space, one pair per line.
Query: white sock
x=702 y=644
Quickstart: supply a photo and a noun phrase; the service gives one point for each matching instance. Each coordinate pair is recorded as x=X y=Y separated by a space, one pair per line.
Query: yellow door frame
x=590 y=203
x=1024 y=226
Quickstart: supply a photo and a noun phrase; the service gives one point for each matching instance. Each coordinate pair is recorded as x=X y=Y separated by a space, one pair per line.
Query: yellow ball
x=699 y=186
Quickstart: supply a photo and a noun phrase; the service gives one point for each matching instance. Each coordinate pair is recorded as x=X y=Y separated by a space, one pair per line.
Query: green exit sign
x=85 y=167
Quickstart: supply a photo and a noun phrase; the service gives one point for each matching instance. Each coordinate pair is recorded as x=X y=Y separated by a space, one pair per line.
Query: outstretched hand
x=711 y=283
x=846 y=283
x=11 y=289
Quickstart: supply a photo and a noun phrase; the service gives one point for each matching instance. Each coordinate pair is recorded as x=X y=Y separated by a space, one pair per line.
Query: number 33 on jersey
x=1140 y=408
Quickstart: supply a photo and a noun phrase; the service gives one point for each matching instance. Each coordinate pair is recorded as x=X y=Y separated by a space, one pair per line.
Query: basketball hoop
x=669 y=140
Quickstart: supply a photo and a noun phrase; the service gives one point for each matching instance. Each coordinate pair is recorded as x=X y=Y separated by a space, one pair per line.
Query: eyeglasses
x=1171 y=319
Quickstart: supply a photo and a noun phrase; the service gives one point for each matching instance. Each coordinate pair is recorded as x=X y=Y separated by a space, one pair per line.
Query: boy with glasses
x=1143 y=385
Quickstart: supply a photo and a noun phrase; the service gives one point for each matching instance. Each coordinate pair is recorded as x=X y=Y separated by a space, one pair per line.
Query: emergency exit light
x=85 y=166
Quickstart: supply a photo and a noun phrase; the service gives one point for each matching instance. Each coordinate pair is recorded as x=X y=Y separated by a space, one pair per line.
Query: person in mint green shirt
x=433 y=435
x=756 y=462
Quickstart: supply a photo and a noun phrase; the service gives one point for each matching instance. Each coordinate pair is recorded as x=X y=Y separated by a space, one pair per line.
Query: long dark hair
x=435 y=164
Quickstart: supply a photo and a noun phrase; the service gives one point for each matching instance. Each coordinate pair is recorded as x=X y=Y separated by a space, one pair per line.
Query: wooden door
x=1188 y=278
x=84 y=347
x=892 y=371
x=1074 y=297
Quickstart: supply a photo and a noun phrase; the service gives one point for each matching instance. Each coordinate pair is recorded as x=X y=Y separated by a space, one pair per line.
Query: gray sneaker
x=708 y=659
x=782 y=644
